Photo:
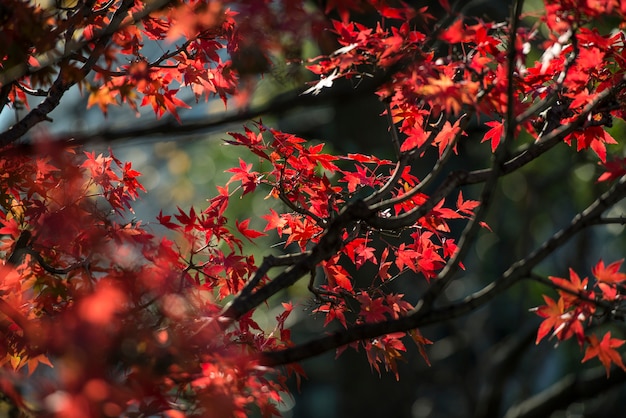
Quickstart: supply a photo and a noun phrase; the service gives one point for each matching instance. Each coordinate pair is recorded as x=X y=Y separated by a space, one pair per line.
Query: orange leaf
x=605 y=351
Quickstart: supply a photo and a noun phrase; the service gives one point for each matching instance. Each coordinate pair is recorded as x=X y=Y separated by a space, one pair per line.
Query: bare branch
x=570 y=389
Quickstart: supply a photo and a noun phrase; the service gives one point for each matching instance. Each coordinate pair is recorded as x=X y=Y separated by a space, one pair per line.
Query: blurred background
x=482 y=363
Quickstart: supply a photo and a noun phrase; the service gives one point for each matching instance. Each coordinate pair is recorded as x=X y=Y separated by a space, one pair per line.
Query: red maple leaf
x=333 y=311
x=594 y=137
x=249 y=179
x=455 y=33
x=494 y=134
x=406 y=257
x=337 y=275
x=553 y=312
x=250 y=234
x=447 y=135
x=609 y=274
x=372 y=310
x=614 y=169
x=466 y=206
x=383 y=267
x=574 y=284
x=165 y=220
x=605 y=351
x=359 y=252
x=274 y=221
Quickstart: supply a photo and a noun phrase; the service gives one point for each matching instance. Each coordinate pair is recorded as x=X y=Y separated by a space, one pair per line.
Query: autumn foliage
x=116 y=316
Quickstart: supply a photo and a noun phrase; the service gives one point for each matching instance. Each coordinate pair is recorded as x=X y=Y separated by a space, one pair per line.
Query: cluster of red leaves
x=573 y=313
x=313 y=186
x=111 y=49
x=127 y=322
x=132 y=322
x=427 y=88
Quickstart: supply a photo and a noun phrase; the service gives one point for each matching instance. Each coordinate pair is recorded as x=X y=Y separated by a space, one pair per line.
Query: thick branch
x=460 y=178
x=570 y=389
x=418 y=318
x=502 y=361
x=328 y=246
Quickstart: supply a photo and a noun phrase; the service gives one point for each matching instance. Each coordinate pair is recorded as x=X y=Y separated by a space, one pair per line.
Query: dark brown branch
x=510 y=122
x=284 y=102
x=327 y=246
x=419 y=317
x=460 y=178
x=471 y=229
x=570 y=389
x=502 y=361
x=268 y=263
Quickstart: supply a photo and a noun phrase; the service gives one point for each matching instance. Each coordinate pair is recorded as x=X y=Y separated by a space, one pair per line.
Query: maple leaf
x=466 y=206
x=188 y=221
x=449 y=94
x=573 y=284
x=494 y=134
x=249 y=179
x=10 y=227
x=253 y=141
x=34 y=361
x=383 y=267
x=337 y=275
x=333 y=311
x=447 y=135
x=609 y=274
x=274 y=221
x=357 y=179
x=391 y=348
x=605 y=351
x=358 y=251
x=594 y=137
x=103 y=97
x=313 y=154
x=449 y=248
x=406 y=257
x=372 y=310
x=250 y=234
x=416 y=136
x=421 y=342
x=165 y=220
x=455 y=33
x=553 y=312
x=614 y=169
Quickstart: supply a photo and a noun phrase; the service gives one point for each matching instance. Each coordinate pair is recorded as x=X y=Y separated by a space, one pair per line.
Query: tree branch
x=327 y=246
x=420 y=317
x=570 y=389
x=471 y=229
x=460 y=178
